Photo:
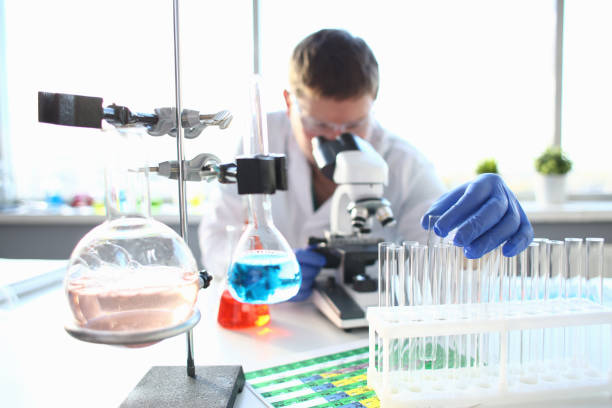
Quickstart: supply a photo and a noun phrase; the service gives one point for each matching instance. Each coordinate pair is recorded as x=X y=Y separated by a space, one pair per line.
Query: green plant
x=553 y=161
x=487 y=166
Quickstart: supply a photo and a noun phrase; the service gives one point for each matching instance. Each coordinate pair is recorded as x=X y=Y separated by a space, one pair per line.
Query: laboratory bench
x=44 y=366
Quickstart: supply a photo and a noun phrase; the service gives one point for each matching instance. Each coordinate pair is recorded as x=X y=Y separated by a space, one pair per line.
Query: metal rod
x=181 y=161
x=559 y=71
x=256 y=37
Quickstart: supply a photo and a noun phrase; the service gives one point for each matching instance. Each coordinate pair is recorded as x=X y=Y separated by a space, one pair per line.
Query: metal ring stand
x=131 y=338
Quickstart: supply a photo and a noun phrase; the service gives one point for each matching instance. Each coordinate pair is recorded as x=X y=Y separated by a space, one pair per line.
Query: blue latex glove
x=486 y=214
x=311 y=263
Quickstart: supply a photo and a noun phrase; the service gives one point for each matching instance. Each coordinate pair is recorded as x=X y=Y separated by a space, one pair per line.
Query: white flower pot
x=550 y=189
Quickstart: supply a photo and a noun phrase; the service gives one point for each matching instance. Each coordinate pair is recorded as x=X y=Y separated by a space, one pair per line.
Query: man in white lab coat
x=333 y=84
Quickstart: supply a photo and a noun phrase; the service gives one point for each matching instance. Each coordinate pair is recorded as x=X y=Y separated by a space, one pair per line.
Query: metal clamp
x=193 y=123
x=203 y=167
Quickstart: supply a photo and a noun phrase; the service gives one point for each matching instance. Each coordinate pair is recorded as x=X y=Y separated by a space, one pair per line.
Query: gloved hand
x=486 y=214
x=311 y=263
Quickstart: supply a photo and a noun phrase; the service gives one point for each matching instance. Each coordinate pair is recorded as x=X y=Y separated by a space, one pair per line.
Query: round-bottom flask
x=131 y=274
x=131 y=280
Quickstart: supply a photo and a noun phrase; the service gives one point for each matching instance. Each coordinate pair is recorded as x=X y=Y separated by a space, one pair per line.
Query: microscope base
x=344 y=307
x=170 y=386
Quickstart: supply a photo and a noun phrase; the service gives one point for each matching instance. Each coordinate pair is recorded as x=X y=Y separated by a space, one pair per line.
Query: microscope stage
x=342 y=305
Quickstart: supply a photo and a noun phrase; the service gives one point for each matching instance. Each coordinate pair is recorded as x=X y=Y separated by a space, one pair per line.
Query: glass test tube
x=407 y=358
x=573 y=292
x=430 y=287
x=417 y=254
x=541 y=292
x=464 y=293
x=529 y=269
x=510 y=294
x=441 y=281
x=594 y=282
x=554 y=344
x=385 y=265
x=482 y=296
x=494 y=272
x=455 y=272
x=594 y=269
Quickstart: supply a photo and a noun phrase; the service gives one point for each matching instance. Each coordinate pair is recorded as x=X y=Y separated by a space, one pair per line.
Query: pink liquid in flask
x=133 y=299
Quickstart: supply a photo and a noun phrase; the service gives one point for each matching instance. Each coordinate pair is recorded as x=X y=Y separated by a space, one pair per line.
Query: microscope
x=360 y=174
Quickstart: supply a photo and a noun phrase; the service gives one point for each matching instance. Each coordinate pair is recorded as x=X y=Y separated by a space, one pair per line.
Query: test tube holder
x=392 y=324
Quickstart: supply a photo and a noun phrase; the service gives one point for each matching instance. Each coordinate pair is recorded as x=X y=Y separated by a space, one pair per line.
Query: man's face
x=313 y=116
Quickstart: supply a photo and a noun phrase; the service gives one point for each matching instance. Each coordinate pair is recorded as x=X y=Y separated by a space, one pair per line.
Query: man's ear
x=288 y=101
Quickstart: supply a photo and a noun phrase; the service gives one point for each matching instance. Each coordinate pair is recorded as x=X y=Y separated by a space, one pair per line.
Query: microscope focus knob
x=363 y=283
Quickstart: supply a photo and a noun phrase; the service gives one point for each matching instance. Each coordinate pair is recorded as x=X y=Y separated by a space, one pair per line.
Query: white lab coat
x=413 y=186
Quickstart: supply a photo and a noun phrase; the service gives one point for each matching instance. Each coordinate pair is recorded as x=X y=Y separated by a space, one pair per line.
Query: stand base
x=170 y=386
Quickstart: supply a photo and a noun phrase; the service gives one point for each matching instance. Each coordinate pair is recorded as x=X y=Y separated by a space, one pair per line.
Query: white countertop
x=41 y=365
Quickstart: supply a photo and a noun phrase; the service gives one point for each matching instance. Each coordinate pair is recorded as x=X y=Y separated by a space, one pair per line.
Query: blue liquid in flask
x=264 y=277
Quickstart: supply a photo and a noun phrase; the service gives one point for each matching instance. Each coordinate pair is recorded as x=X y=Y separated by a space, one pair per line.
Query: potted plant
x=552 y=167
x=487 y=166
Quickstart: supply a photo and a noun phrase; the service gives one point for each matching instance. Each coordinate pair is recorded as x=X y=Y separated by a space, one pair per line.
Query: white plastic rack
x=507 y=352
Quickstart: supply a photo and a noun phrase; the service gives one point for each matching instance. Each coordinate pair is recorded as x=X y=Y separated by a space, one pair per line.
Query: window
x=461 y=80
x=587 y=101
x=121 y=51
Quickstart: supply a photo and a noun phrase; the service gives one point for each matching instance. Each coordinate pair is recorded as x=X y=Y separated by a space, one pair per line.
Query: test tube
x=407 y=358
x=542 y=294
x=530 y=261
x=495 y=274
x=594 y=282
x=455 y=272
x=573 y=292
x=426 y=280
x=510 y=294
x=468 y=341
x=442 y=296
x=417 y=260
x=594 y=269
x=554 y=343
x=383 y=295
x=482 y=296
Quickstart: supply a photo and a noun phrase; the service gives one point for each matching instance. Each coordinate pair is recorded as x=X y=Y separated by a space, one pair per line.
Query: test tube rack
x=394 y=329
x=453 y=332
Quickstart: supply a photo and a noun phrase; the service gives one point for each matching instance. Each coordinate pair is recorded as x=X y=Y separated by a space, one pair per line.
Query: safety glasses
x=316 y=126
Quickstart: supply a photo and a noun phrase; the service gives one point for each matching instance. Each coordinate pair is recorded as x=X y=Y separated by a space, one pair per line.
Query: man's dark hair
x=334 y=64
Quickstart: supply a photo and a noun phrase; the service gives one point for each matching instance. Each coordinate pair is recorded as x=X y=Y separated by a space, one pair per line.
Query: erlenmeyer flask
x=264 y=268
x=131 y=280
x=233 y=314
x=237 y=315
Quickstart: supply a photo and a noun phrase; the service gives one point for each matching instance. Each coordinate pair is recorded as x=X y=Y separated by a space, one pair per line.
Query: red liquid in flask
x=236 y=315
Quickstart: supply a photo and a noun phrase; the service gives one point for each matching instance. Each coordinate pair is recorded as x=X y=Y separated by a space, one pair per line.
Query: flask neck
x=126 y=177
x=260 y=210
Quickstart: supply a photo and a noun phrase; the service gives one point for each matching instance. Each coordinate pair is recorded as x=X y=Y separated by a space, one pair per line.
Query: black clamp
x=261 y=174
x=227 y=173
x=205 y=279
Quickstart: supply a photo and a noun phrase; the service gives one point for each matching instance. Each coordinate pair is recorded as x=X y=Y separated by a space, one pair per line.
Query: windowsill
x=569 y=212
x=66 y=215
